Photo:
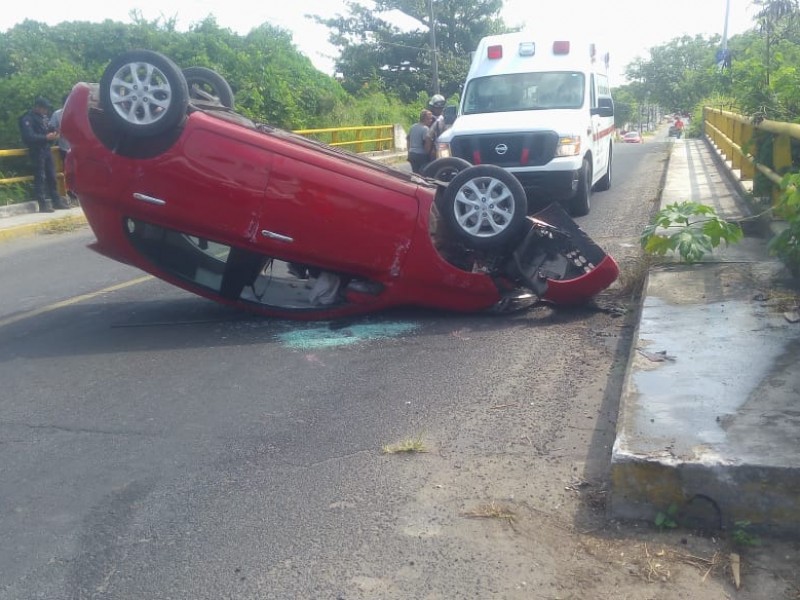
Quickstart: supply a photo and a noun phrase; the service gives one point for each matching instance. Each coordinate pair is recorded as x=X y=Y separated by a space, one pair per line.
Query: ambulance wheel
x=444 y=169
x=605 y=181
x=580 y=203
x=485 y=208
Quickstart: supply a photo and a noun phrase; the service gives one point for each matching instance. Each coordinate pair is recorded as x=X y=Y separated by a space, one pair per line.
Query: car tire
x=144 y=93
x=604 y=184
x=444 y=169
x=580 y=203
x=485 y=208
x=207 y=86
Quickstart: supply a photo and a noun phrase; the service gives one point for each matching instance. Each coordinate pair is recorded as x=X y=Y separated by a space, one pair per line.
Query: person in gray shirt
x=417 y=155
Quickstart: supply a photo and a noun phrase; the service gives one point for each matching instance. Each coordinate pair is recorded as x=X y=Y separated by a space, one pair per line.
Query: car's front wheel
x=485 y=207
x=144 y=93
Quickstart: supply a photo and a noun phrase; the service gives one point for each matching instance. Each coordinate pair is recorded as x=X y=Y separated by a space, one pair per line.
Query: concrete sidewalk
x=20 y=220
x=709 y=419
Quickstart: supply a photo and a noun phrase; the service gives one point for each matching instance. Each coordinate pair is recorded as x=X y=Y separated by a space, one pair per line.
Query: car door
x=210 y=185
x=323 y=207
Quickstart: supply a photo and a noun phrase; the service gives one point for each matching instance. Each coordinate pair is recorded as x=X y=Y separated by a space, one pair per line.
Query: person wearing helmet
x=436 y=106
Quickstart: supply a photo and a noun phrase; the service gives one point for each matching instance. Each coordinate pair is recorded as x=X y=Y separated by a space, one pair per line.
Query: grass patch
x=632 y=275
x=493 y=510
x=408 y=446
x=64 y=225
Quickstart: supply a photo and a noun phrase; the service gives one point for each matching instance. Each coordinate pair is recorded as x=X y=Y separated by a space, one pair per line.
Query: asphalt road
x=156 y=445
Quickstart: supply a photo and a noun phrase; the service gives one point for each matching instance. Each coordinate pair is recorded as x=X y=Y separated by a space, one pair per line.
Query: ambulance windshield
x=524 y=91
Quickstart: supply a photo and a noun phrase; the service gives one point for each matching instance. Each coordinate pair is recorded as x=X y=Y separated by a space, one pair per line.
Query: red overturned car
x=173 y=181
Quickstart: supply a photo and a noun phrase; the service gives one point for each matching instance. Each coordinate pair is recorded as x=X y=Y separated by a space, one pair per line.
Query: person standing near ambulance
x=436 y=106
x=418 y=157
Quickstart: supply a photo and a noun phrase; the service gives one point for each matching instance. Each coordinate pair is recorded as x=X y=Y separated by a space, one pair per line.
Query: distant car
x=174 y=181
x=632 y=137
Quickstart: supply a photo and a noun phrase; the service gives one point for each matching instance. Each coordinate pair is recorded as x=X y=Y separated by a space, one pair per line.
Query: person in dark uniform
x=436 y=128
x=38 y=137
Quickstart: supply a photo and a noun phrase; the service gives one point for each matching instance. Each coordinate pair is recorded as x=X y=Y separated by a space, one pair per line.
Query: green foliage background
x=273 y=82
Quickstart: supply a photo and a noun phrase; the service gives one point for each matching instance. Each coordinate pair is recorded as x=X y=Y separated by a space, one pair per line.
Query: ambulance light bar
x=561 y=47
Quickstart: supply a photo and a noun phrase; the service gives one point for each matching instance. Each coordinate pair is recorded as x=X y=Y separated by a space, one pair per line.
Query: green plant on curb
x=690 y=229
x=667 y=519
x=741 y=535
x=410 y=445
x=786 y=245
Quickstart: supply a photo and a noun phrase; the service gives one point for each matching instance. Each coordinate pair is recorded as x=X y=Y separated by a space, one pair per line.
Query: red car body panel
x=229 y=183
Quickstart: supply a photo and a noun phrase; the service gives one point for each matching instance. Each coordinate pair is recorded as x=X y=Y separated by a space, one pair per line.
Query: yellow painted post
x=737 y=159
x=781 y=159
x=60 y=180
x=748 y=169
x=359 y=145
x=728 y=131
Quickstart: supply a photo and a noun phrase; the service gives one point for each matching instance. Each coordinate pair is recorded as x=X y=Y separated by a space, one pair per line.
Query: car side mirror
x=605 y=107
x=449 y=113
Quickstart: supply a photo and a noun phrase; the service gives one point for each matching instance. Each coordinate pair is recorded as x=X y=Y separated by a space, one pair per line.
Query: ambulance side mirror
x=605 y=107
x=449 y=114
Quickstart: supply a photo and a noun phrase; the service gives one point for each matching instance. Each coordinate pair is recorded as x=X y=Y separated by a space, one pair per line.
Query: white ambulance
x=542 y=109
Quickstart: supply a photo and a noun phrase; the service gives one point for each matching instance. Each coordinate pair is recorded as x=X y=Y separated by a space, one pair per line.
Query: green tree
x=272 y=80
x=679 y=74
x=376 y=54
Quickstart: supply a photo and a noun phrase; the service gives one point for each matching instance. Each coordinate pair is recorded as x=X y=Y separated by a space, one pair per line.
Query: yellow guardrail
x=733 y=134
x=26 y=178
x=366 y=138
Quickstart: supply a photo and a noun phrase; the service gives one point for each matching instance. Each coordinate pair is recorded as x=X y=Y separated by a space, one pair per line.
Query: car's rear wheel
x=206 y=85
x=144 y=93
x=485 y=207
x=444 y=169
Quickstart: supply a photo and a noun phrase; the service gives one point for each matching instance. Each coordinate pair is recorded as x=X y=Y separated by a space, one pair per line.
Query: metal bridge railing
x=734 y=135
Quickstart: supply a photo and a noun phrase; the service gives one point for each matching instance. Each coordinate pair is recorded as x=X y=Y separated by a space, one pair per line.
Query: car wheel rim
x=140 y=93
x=484 y=207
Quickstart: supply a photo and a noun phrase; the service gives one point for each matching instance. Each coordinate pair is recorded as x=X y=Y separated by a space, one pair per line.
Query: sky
x=624 y=28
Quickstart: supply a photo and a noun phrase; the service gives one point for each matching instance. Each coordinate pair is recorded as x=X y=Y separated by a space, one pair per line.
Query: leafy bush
x=689 y=228
x=786 y=245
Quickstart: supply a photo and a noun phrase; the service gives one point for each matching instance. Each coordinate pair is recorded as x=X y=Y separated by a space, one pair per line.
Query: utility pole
x=725 y=29
x=434 y=58
x=723 y=54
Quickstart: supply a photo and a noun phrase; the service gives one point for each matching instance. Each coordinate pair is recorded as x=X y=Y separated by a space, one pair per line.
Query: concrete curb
x=707 y=419
x=22 y=208
x=48 y=226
